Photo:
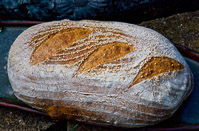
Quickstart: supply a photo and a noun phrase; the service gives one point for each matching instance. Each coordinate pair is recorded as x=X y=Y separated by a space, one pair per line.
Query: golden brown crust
x=104 y=54
x=57 y=43
x=73 y=111
x=106 y=59
x=156 y=66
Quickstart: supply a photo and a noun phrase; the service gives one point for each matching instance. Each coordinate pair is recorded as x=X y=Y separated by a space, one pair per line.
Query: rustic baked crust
x=106 y=73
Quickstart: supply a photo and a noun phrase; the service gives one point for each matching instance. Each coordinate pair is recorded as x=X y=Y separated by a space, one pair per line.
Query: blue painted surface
x=7 y=37
x=190 y=113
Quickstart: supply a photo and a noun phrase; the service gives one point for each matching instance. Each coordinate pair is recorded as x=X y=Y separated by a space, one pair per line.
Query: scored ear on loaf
x=56 y=43
x=157 y=65
x=105 y=73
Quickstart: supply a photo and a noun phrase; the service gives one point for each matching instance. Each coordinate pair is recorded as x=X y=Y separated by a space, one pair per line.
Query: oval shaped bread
x=105 y=73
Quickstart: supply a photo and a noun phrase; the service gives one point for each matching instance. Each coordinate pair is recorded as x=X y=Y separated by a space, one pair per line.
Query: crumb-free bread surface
x=105 y=73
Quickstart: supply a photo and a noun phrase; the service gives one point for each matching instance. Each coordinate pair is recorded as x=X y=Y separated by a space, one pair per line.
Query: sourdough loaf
x=106 y=73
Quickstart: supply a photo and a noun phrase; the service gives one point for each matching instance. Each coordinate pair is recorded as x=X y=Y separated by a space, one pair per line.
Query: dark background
x=132 y=11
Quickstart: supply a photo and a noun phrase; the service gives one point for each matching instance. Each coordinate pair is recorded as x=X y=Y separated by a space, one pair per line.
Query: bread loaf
x=105 y=73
